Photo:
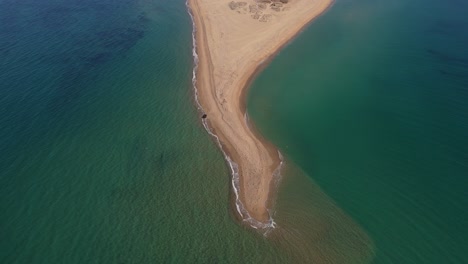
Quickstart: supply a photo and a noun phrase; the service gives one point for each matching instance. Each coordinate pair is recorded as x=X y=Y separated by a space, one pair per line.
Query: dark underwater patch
x=454 y=74
x=448 y=58
x=119 y=39
x=98 y=58
x=89 y=50
x=75 y=38
x=449 y=28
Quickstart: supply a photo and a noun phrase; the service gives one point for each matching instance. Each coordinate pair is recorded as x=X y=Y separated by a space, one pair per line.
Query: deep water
x=103 y=157
x=370 y=102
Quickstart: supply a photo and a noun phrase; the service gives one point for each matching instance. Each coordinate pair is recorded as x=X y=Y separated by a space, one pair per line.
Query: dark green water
x=371 y=103
x=104 y=159
x=103 y=155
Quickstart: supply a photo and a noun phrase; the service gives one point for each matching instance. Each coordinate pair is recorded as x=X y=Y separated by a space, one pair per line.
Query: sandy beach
x=233 y=40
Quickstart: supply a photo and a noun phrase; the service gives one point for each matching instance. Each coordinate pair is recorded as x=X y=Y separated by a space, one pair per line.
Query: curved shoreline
x=243 y=213
x=260 y=162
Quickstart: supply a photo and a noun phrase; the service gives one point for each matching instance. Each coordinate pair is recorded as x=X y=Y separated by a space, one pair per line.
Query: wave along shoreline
x=234 y=167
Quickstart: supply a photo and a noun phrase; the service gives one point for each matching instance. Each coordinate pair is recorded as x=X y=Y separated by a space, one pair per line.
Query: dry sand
x=232 y=42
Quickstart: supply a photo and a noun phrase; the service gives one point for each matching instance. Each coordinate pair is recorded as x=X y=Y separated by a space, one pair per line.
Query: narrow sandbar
x=233 y=39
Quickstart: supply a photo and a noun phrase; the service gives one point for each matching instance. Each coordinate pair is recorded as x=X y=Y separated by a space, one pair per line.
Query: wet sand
x=233 y=40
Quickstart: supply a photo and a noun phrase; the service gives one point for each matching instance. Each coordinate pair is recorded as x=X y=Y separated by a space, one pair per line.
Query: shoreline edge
x=262 y=215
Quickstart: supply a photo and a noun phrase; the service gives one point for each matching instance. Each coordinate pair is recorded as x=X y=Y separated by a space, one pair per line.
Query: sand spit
x=233 y=39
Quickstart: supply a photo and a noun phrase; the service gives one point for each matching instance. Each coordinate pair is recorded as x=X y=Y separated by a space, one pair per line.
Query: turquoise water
x=370 y=102
x=104 y=158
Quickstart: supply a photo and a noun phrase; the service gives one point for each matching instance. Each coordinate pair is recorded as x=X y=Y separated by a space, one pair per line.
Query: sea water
x=370 y=103
x=104 y=158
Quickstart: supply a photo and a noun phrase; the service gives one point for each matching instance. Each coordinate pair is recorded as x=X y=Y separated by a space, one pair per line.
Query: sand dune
x=233 y=39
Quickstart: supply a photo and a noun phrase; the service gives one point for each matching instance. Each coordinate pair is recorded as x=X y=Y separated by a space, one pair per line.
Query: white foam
x=232 y=165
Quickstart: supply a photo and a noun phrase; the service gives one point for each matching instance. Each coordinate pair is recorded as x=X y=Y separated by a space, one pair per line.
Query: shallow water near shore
x=370 y=102
x=105 y=160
